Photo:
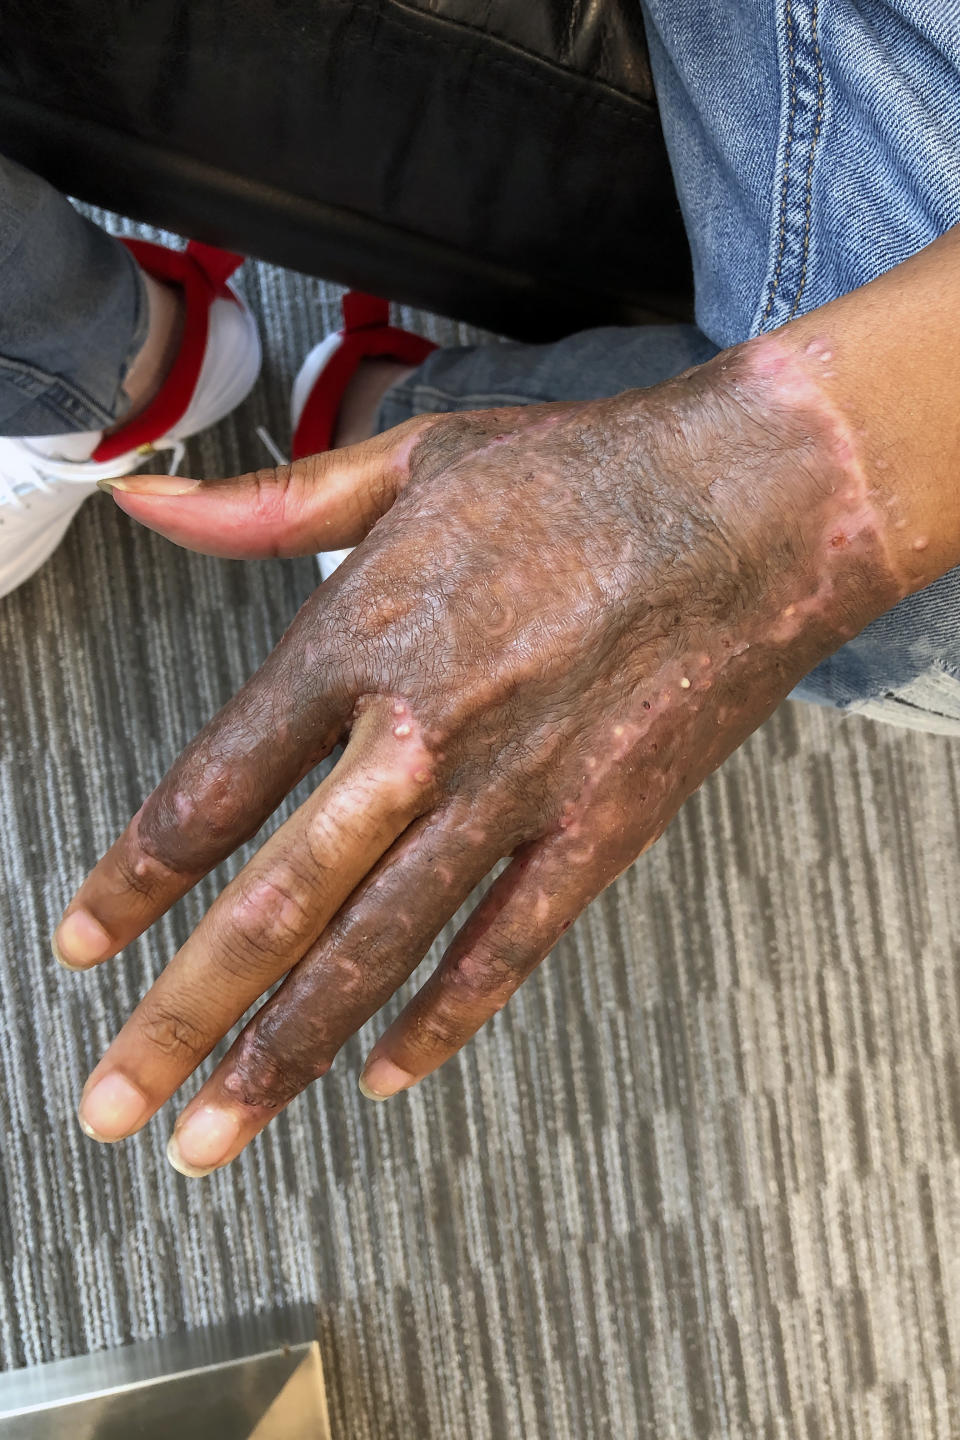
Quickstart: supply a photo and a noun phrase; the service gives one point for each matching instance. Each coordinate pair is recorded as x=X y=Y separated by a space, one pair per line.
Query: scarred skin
x=561 y=620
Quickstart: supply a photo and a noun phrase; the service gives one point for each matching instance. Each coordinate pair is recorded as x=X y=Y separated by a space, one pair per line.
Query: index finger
x=219 y=792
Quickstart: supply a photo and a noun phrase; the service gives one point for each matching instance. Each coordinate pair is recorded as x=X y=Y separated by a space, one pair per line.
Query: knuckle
x=174 y=1035
x=448 y=1027
x=486 y=981
x=471 y=990
x=271 y=486
x=267 y=1075
x=199 y=814
x=269 y=916
x=143 y=874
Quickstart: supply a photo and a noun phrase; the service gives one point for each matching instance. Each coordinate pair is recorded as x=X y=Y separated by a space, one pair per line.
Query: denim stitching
x=471 y=400
x=792 y=68
x=61 y=395
x=817 y=126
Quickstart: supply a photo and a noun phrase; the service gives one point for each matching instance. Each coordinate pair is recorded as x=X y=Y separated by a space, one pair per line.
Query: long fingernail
x=150 y=485
x=79 y=941
x=381 y=1079
x=203 y=1141
x=112 y=1109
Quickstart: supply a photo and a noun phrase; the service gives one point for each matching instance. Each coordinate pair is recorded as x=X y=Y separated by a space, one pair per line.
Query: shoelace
x=23 y=470
x=271 y=446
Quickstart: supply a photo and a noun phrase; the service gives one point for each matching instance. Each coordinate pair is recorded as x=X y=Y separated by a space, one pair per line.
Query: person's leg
x=586 y=366
x=109 y=353
x=86 y=338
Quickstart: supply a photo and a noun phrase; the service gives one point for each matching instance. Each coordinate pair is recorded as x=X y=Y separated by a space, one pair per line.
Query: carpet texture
x=700 y=1179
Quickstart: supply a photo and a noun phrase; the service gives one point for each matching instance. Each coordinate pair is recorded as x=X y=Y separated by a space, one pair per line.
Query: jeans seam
x=808 y=190
x=61 y=395
x=411 y=394
x=787 y=152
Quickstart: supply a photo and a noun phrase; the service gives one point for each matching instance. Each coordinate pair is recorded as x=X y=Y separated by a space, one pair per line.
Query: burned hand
x=557 y=622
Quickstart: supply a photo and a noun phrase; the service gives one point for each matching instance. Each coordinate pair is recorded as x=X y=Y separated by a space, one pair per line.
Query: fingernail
x=80 y=941
x=381 y=1079
x=150 y=485
x=203 y=1141
x=112 y=1109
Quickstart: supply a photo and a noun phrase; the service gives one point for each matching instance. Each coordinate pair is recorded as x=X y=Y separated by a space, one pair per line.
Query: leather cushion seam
x=624 y=97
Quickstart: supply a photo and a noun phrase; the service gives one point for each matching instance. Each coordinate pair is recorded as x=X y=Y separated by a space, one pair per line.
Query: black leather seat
x=497 y=160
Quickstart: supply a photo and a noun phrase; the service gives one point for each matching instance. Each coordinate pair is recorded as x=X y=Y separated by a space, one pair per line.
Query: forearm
x=886 y=361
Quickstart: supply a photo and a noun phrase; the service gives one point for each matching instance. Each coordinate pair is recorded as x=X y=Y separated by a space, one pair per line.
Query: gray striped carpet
x=700 y=1179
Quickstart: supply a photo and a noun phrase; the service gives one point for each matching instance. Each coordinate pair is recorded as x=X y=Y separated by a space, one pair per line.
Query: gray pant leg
x=586 y=366
x=73 y=312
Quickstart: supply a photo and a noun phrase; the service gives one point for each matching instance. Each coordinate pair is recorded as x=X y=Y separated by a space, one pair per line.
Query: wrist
x=884 y=362
x=774 y=464
x=870 y=468
x=855 y=552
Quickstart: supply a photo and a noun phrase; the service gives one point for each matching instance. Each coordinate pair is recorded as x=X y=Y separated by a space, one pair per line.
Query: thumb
x=323 y=502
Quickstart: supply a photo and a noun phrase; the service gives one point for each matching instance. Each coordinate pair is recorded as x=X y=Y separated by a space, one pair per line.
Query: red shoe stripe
x=364 y=312
x=363 y=338
x=201 y=271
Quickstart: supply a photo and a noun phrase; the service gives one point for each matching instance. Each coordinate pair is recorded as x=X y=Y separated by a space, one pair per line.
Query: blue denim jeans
x=813 y=145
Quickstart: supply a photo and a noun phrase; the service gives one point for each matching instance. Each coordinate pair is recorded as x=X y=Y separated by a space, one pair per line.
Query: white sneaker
x=307 y=376
x=45 y=479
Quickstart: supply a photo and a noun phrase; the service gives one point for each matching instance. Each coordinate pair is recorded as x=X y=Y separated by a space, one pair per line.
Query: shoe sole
x=34 y=556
